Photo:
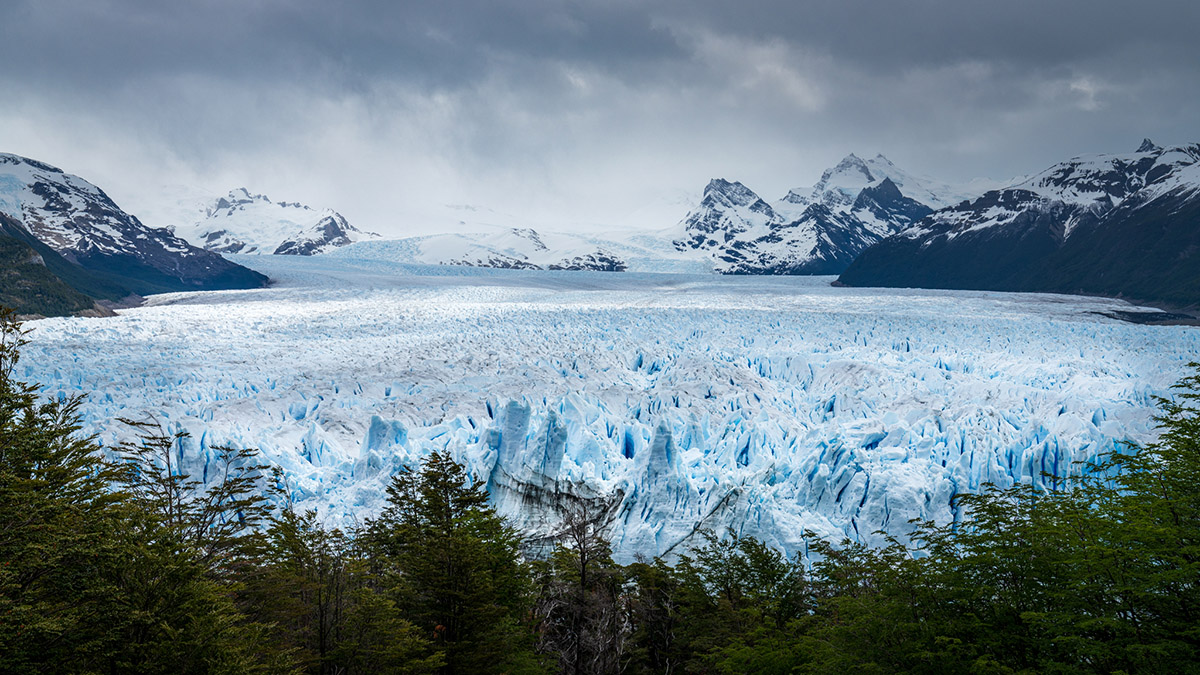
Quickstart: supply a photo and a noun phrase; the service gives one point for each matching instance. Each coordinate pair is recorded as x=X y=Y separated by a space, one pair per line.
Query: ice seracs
x=766 y=406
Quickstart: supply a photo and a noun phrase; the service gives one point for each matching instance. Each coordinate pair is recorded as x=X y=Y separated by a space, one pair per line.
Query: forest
x=114 y=561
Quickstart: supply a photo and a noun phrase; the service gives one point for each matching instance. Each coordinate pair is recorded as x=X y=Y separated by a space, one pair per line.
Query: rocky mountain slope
x=818 y=230
x=242 y=222
x=110 y=248
x=1122 y=225
x=731 y=230
x=27 y=284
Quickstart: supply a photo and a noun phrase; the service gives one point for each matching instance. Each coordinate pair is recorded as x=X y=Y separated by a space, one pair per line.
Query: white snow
x=58 y=228
x=764 y=405
x=640 y=252
x=1089 y=185
x=840 y=185
x=251 y=223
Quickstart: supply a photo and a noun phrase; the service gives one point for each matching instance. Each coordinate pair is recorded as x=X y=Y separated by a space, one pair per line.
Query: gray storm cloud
x=576 y=113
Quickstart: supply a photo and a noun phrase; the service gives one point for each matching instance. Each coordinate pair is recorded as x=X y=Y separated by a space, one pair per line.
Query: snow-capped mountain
x=1118 y=224
x=529 y=249
x=79 y=222
x=841 y=184
x=817 y=230
x=242 y=222
x=731 y=230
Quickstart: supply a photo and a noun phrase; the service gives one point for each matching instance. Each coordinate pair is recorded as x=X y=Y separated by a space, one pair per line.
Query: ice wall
x=761 y=406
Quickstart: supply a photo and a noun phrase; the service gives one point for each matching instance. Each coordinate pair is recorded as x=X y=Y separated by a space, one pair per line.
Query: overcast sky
x=576 y=113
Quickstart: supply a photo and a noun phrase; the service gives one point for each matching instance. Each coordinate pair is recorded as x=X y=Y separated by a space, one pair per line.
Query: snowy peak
x=329 y=232
x=1104 y=181
x=816 y=230
x=728 y=209
x=1148 y=146
x=241 y=198
x=1110 y=224
x=83 y=225
x=62 y=210
x=246 y=222
x=732 y=194
x=840 y=185
x=846 y=179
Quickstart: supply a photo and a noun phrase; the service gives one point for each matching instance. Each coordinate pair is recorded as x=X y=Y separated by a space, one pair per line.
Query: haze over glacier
x=762 y=405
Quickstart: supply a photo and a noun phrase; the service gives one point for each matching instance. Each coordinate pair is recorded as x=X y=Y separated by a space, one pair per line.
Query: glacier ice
x=759 y=405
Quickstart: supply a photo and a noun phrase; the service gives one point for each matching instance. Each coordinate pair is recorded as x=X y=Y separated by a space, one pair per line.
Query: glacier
x=763 y=406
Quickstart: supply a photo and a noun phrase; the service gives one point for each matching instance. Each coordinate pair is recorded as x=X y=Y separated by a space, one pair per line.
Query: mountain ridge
x=95 y=247
x=818 y=230
x=1122 y=225
x=245 y=222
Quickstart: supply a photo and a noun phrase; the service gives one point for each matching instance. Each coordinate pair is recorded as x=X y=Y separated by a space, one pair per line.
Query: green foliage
x=453 y=568
x=313 y=588
x=188 y=546
x=737 y=598
x=94 y=577
x=216 y=521
x=56 y=520
x=29 y=287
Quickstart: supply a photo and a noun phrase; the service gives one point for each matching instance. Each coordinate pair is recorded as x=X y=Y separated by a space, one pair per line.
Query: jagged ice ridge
x=765 y=406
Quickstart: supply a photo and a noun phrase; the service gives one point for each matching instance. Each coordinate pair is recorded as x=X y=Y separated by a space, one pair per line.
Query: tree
x=57 y=520
x=312 y=587
x=189 y=545
x=453 y=567
x=738 y=597
x=216 y=521
x=581 y=605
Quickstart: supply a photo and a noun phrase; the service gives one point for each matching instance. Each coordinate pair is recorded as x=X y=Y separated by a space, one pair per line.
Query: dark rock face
x=331 y=231
x=887 y=203
x=599 y=261
x=79 y=222
x=1120 y=225
x=746 y=235
x=221 y=241
x=499 y=262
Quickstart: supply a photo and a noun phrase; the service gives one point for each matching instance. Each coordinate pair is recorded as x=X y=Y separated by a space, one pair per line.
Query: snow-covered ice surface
x=763 y=405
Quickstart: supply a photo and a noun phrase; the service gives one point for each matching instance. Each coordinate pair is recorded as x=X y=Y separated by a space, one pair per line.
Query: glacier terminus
x=765 y=406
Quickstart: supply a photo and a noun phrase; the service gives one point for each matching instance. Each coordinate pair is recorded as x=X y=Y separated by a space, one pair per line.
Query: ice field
x=762 y=405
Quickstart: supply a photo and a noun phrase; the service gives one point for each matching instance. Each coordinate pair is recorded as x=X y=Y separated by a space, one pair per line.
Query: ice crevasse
x=767 y=408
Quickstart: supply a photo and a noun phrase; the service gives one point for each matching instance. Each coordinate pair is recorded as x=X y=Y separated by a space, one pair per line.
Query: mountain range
x=1125 y=225
x=817 y=230
x=244 y=222
x=72 y=229
x=732 y=230
x=1121 y=225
